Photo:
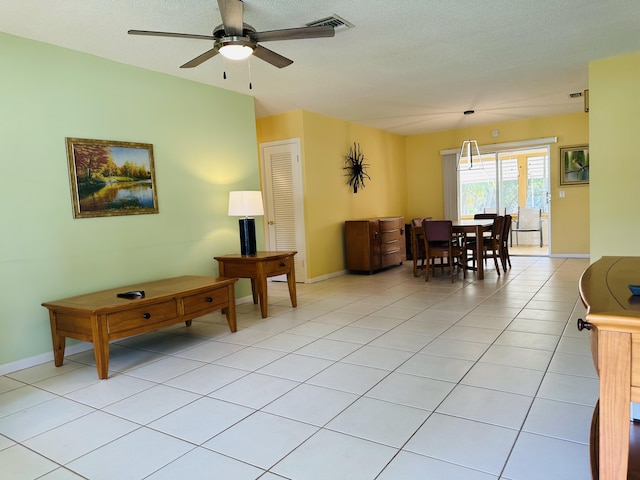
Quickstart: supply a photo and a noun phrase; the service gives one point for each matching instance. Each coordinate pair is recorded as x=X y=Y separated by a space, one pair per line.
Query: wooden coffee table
x=101 y=316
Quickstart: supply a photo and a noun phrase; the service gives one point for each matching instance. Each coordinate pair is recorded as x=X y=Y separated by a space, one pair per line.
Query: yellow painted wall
x=615 y=162
x=406 y=177
x=569 y=215
x=329 y=201
x=280 y=127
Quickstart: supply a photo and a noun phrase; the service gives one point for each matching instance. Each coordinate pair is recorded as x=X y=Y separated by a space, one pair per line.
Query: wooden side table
x=258 y=268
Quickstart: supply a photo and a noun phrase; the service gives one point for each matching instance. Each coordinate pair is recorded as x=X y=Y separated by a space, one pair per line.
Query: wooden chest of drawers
x=374 y=243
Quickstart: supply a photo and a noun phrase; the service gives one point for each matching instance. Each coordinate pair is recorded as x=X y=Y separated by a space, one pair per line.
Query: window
x=536 y=183
x=509 y=182
x=502 y=181
x=478 y=187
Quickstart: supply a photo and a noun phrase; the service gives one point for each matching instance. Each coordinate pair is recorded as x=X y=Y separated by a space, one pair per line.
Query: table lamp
x=246 y=204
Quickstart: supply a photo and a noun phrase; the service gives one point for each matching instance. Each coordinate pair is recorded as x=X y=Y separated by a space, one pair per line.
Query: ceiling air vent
x=334 y=20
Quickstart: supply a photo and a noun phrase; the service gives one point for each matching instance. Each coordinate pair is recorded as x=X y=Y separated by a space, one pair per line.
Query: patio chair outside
x=529 y=220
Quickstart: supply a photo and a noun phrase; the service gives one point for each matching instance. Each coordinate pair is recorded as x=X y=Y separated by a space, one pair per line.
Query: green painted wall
x=614 y=100
x=204 y=142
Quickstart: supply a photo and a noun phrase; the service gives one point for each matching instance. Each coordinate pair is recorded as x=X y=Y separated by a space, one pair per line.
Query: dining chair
x=491 y=245
x=495 y=211
x=483 y=216
x=529 y=220
x=504 y=242
x=417 y=247
x=417 y=244
x=440 y=242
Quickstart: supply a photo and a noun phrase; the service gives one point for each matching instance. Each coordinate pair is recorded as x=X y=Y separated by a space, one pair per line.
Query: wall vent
x=338 y=23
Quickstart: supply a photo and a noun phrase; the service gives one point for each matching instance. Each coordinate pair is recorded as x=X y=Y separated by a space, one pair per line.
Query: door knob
x=271 y=222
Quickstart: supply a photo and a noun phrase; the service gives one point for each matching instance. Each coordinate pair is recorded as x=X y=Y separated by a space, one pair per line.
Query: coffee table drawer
x=141 y=316
x=218 y=297
x=278 y=267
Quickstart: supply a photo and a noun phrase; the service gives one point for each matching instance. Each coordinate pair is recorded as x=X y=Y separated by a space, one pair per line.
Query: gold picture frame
x=574 y=165
x=110 y=178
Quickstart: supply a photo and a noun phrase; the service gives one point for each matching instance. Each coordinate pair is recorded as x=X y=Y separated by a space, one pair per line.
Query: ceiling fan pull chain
x=249 y=66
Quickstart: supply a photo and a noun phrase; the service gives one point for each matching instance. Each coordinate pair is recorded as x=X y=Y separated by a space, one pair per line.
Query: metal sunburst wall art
x=354 y=164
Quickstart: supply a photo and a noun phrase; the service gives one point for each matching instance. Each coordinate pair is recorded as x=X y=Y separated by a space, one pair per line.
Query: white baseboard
x=326 y=277
x=570 y=255
x=247 y=299
x=42 y=358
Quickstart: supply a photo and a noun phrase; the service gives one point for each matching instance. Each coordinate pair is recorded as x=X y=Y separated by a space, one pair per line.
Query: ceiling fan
x=236 y=40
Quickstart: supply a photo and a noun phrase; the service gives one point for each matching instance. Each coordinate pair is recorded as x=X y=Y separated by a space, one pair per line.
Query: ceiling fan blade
x=170 y=34
x=231 y=13
x=293 y=33
x=200 y=58
x=271 y=57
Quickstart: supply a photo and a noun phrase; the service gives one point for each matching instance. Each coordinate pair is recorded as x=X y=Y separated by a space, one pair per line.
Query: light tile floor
x=379 y=376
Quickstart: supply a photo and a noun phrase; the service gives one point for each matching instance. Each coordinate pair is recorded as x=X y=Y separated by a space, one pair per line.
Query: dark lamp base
x=247 y=236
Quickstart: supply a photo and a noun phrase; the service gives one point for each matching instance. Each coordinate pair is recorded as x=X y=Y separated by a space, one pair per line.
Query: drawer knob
x=208 y=299
x=146 y=316
x=583 y=325
x=282 y=264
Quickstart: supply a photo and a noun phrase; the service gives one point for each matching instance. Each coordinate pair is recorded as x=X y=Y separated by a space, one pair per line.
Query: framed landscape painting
x=110 y=178
x=574 y=165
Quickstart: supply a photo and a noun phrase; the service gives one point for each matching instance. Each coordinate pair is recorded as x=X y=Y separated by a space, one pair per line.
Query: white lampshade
x=235 y=51
x=245 y=204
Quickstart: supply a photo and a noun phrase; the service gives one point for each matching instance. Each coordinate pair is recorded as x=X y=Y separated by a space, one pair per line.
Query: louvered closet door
x=284 y=208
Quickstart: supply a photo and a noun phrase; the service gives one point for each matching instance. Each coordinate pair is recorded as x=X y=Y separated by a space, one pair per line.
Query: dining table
x=475 y=227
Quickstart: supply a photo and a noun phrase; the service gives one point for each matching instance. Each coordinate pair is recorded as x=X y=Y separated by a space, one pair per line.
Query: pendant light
x=469 y=157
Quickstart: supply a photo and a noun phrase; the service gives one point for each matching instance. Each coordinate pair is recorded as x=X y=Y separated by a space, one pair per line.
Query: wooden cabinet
x=374 y=243
x=613 y=316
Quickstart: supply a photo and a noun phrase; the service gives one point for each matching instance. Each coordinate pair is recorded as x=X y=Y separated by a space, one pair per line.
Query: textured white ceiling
x=409 y=67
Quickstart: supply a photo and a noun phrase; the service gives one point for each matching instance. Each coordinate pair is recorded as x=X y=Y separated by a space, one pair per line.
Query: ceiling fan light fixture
x=236 y=40
x=236 y=48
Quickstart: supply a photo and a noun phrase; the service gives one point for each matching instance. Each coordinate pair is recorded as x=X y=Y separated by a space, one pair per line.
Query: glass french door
x=504 y=181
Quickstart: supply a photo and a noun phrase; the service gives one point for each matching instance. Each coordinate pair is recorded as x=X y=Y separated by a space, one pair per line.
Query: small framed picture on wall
x=574 y=165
